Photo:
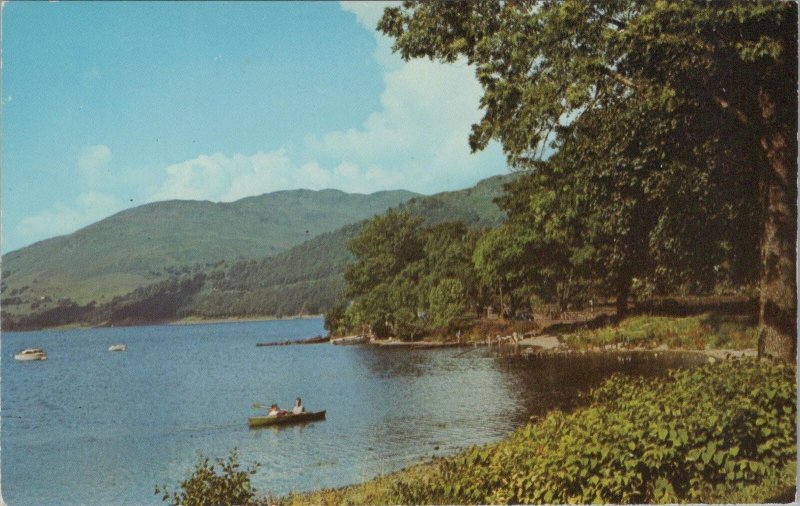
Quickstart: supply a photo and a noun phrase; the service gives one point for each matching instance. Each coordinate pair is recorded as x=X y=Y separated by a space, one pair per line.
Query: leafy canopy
x=666 y=119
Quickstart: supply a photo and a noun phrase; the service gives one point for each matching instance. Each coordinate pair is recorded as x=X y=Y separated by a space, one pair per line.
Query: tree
x=384 y=278
x=384 y=247
x=450 y=280
x=606 y=208
x=407 y=279
x=730 y=67
x=447 y=301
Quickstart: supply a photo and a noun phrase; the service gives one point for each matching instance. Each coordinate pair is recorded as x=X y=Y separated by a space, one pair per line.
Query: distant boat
x=264 y=421
x=118 y=347
x=350 y=340
x=31 y=354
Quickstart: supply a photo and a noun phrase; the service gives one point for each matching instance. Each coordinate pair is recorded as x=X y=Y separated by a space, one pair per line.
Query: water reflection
x=543 y=382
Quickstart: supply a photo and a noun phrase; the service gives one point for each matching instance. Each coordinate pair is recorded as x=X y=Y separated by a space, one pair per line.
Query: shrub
x=207 y=488
x=692 y=436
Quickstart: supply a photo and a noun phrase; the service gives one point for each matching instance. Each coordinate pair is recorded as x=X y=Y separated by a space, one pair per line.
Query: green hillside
x=153 y=242
x=473 y=206
x=309 y=277
x=306 y=279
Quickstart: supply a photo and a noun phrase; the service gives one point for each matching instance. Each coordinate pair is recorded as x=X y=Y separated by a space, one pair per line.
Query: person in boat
x=274 y=410
x=298 y=407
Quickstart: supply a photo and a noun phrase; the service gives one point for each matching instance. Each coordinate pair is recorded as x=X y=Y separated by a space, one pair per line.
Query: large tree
x=607 y=208
x=729 y=69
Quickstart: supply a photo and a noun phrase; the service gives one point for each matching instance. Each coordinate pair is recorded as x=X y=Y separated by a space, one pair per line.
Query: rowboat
x=117 y=347
x=264 y=421
x=31 y=354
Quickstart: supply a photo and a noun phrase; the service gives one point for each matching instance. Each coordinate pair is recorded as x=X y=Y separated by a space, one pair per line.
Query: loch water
x=89 y=426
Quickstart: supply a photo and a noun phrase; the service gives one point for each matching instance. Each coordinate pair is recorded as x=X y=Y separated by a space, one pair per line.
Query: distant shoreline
x=183 y=321
x=238 y=319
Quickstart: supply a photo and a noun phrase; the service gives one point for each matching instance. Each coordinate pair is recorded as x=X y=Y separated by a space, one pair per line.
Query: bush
x=207 y=488
x=698 y=434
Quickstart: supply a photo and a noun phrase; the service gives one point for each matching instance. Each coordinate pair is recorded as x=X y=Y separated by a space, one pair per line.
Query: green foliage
x=336 y=320
x=206 y=486
x=447 y=301
x=699 y=332
x=541 y=64
x=409 y=280
x=672 y=126
x=701 y=433
x=384 y=247
x=475 y=207
x=152 y=303
x=523 y=262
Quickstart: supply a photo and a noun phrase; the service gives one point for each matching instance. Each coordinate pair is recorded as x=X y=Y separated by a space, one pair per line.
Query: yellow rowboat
x=265 y=421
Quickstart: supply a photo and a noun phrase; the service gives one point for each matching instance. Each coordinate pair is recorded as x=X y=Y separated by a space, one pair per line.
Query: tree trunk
x=623 y=292
x=778 y=285
x=501 y=301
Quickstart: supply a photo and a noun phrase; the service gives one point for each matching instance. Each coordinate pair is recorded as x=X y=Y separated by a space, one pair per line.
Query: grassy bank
x=722 y=432
x=699 y=332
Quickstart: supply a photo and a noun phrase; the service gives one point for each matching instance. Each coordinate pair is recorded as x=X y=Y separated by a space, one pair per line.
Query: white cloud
x=420 y=132
x=417 y=140
x=368 y=14
x=223 y=178
x=423 y=104
x=62 y=219
x=219 y=177
x=94 y=158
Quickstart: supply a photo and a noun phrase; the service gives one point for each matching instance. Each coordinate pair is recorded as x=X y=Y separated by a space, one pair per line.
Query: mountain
x=156 y=241
x=475 y=206
x=306 y=279
x=309 y=277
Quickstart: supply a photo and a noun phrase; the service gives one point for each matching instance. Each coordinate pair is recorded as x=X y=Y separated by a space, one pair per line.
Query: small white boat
x=31 y=354
x=118 y=347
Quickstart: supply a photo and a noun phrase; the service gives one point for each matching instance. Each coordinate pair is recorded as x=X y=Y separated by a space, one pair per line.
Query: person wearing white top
x=298 y=407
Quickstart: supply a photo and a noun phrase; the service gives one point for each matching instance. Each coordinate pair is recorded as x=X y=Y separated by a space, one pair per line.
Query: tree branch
x=608 y=19
x=622 y=79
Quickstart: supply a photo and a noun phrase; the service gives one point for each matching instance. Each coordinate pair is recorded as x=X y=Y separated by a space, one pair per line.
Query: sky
x=107 y=106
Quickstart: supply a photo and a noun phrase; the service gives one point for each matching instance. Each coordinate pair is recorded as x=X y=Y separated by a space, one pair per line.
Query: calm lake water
x=89 y=426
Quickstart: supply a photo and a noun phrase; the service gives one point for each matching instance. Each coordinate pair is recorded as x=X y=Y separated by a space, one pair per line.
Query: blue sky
x=107 y=106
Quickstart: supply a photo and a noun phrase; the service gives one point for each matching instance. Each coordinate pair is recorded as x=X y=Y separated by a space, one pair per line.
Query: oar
x=258 y=405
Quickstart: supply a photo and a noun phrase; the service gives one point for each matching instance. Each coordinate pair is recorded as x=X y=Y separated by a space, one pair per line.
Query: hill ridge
x=304 y=277
x=139 y=245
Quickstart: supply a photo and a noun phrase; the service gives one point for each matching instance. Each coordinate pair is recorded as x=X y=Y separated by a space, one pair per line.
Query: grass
x=699 y=332
x=380 y=490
